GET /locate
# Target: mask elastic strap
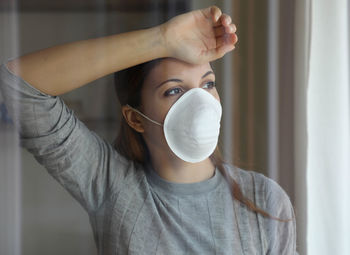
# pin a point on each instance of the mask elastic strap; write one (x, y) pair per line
(153, 121)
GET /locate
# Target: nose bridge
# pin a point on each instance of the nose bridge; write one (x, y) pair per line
(192, 81)
(192, 84)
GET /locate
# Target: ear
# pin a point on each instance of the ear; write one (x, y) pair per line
(133, 119)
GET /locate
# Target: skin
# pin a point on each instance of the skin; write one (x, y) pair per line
(156, 100)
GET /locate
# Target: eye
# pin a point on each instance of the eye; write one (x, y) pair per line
(172, 92)
(209, 85)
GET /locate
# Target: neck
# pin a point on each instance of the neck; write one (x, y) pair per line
(173, 169)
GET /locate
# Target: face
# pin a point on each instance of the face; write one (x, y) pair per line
(165, 84)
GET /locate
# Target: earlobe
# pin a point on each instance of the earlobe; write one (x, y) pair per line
(133, 119)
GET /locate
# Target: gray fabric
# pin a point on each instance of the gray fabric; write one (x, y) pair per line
(131, 209)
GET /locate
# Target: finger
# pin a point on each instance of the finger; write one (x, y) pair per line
(212, 12)
(225, 19)
(230, 29)
(226, 39)
(219, 31)
(216, 13)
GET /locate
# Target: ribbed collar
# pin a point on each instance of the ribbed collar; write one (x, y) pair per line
(182, 189)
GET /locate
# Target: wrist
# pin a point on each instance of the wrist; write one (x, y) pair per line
(161, 41)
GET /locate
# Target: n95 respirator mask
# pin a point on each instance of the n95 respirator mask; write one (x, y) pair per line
(192, 125)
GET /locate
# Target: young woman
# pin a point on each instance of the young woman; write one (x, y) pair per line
(163, 188)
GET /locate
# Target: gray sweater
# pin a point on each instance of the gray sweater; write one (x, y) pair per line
(131, 209)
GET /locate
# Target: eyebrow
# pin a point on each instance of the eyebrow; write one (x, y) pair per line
(178, 80)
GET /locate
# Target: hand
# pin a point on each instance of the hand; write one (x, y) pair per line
(199, 36)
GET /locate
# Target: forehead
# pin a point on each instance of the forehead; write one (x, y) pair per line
(173, 68)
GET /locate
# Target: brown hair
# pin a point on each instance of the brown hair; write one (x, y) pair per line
(130, 144)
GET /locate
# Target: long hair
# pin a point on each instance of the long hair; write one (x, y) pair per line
(130, 144)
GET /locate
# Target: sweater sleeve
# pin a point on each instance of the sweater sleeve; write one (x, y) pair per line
(75, 156)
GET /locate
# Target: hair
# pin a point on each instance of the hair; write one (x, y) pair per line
(130, 143)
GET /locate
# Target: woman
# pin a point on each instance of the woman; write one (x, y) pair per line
(164, 188)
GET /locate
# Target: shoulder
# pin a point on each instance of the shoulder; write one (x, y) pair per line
(269, 196)
(262, 190)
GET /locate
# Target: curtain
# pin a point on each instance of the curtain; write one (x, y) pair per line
(263, 89)
(302, 32)
(328, 117)
(250, 86)
(10, 153)
(291, 110)
(270, 66)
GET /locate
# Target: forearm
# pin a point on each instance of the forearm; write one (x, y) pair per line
(63, 68)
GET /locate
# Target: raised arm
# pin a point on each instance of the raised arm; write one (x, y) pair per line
(63, 68)
(82, 162)
(197, 36)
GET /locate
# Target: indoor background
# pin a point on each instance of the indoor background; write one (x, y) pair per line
(285, 95)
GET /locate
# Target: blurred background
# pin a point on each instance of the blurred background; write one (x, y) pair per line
(286, 114)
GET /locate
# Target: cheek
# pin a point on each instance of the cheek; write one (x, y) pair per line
(155, 105)
(156, 109)
(216, 95)
(150, 105)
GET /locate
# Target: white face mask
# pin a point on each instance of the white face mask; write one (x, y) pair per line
(192, 125)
